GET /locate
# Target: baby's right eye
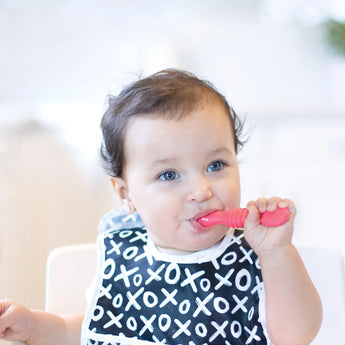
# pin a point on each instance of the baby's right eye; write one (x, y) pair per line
(168, 175)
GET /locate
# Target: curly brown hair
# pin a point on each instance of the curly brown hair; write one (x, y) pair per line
(169, 93)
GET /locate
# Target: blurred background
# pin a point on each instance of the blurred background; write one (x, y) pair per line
(280, 63)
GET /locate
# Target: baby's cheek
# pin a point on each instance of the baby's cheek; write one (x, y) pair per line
(231, 198)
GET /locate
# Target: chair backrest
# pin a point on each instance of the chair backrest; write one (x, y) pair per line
(71, 269)
(326, 269)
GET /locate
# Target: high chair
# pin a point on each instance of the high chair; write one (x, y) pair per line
(70, 270)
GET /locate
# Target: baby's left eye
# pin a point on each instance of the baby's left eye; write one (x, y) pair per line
(216, 166)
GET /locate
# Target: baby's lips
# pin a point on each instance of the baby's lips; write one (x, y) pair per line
(206, 221)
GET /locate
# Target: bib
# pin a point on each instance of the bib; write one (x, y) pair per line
(143, 296)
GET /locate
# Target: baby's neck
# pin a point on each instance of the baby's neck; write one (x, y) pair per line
(175, 251)
(172, 251)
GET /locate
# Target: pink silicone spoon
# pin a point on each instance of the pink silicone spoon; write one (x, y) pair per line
(235, 217)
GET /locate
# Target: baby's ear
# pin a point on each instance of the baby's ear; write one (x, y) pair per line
(121, 190)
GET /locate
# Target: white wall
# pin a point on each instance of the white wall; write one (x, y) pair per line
(301, 159)
(48, 198)
(59, 59)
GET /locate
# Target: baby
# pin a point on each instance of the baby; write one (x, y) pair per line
(170, 146)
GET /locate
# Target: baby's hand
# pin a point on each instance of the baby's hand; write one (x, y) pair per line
(267, 239)
(16, 321)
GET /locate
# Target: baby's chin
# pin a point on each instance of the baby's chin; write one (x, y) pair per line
(190, 248)
(175, 251)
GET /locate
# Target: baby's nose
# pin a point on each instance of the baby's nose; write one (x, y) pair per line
(200, 190)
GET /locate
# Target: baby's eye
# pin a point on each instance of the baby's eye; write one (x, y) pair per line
(216, 166)
(168, 176)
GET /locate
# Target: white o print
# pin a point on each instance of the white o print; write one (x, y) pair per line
(175, 270)
(201, 330)
(125, 233)
(130, 253)
(236, 329)
(205, 284)
(118, 300)
(98, 313)
(221, 305)
(229, 258)
(137, 279)
(111, 264)
(150, 295)
(243, 275)
(184, 307)
(110, 235)
(164, 322)
(132, 323)
(251, 313)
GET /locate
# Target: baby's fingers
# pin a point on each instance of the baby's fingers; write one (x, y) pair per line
(291, 206)
(5, 324)
(15, 321)
(268, 209)
(269, 205)
(261, 204)
(273, 203)
(287, 203)
(264, 204)
(253, 217)
(5, 305)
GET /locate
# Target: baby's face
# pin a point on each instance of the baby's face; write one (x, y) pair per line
(180, 170)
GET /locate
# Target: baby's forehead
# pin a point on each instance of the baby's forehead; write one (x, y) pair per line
(192, 142)
(197, 124)
(184, 111)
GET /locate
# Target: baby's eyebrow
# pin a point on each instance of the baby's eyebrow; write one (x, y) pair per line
(223, 150)
(167, 161)
(163, 161)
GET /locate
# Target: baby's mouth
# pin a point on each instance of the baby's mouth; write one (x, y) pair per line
(195, 220)
(202, 214)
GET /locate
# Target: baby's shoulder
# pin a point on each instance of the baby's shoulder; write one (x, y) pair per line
(119, 219)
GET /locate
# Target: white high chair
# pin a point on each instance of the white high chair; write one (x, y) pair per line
(70, 270)
(69, 273)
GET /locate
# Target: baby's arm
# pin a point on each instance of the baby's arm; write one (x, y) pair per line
(293, 306)
(34, 327)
